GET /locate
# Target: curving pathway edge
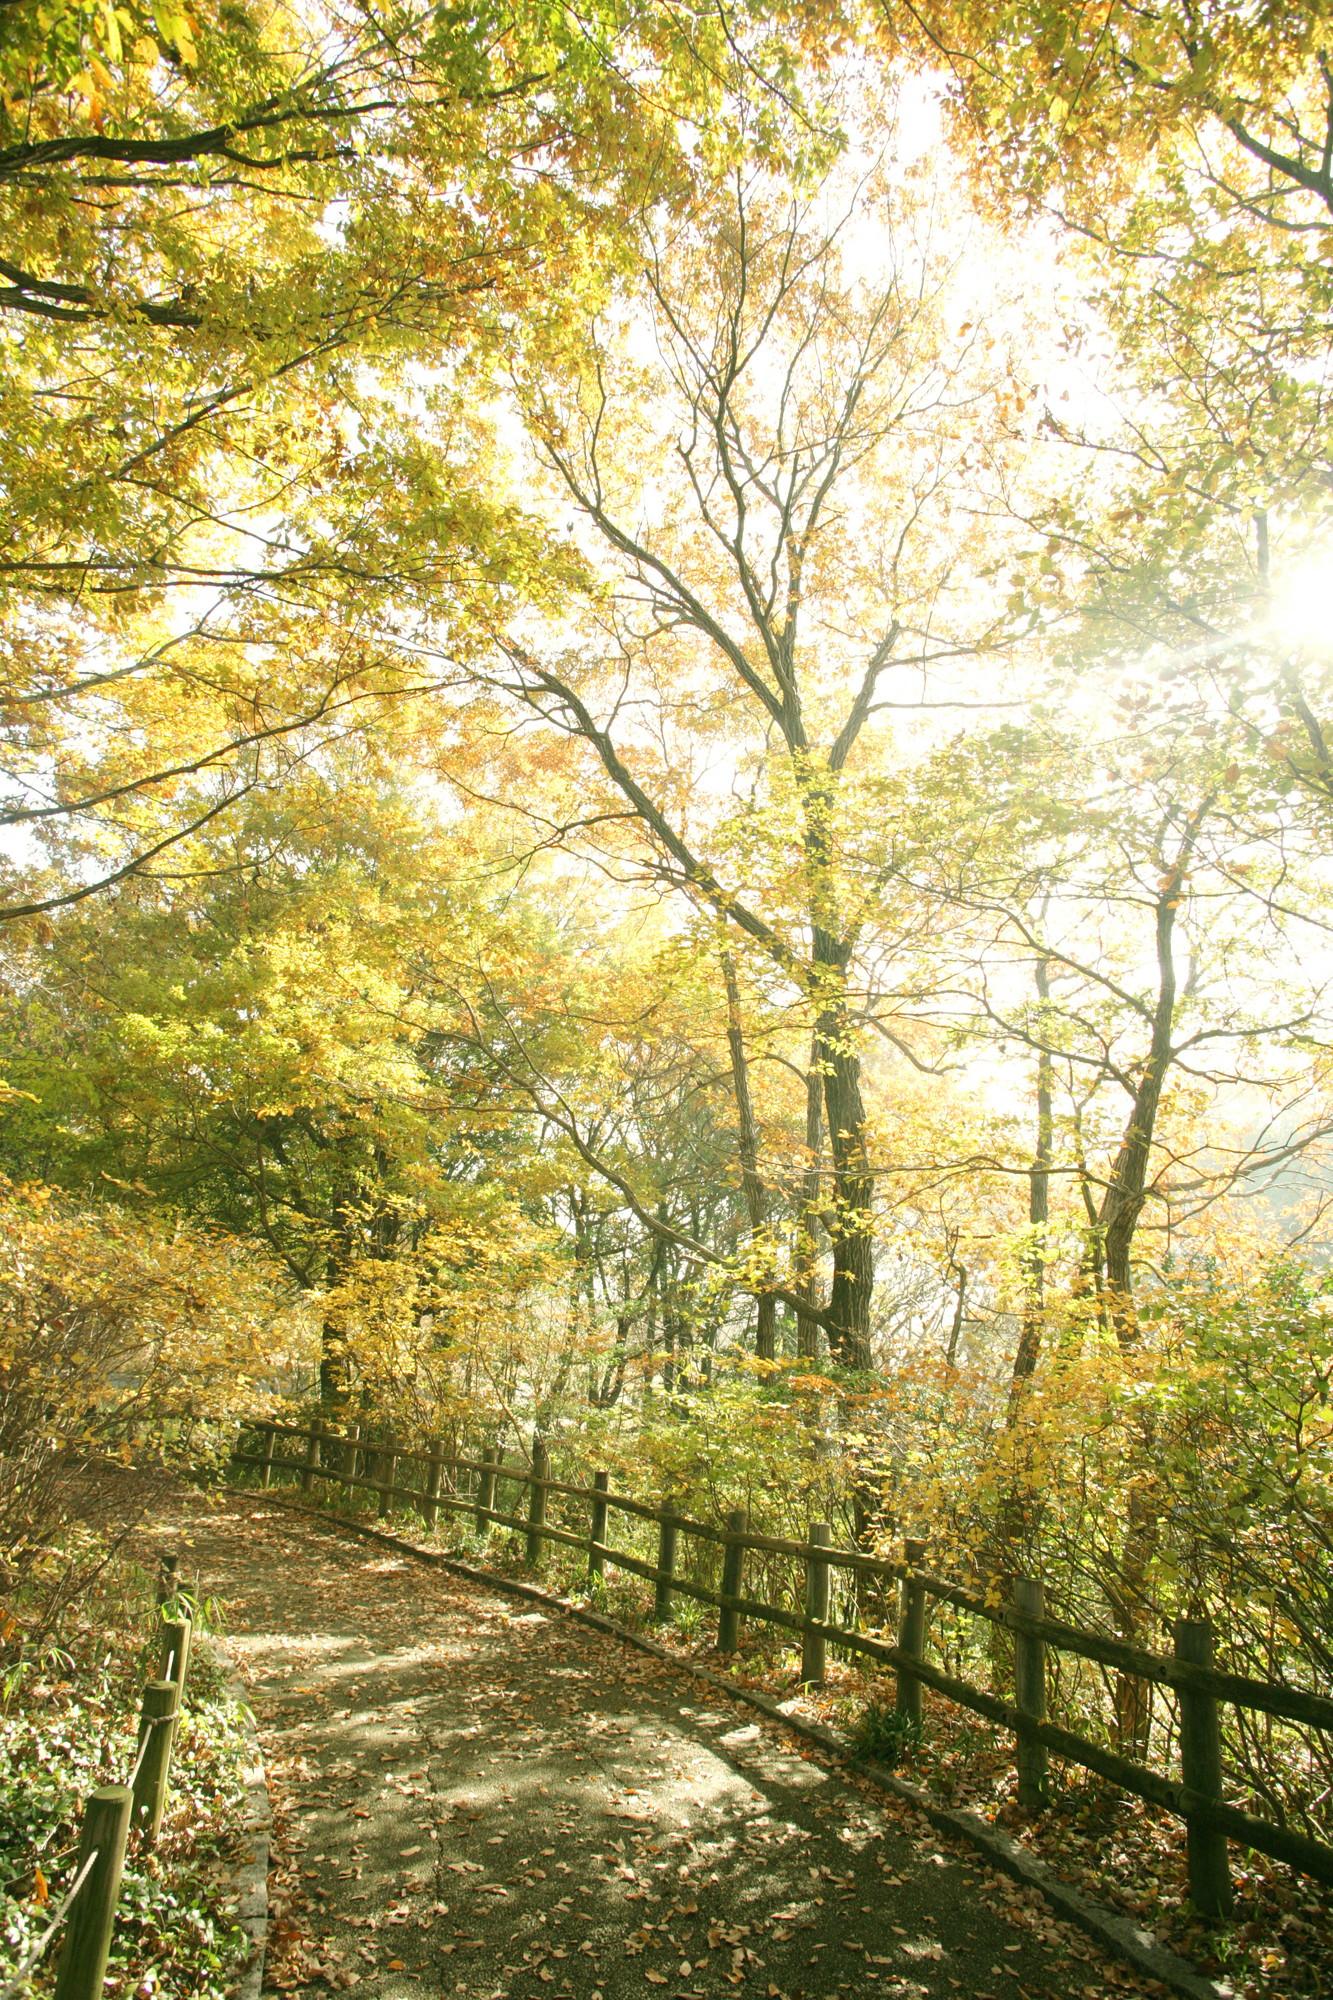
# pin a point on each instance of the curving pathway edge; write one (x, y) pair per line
(1116, 1934)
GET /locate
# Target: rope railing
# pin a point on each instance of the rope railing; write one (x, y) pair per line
(147, 1725)
(87, 1910)
(34, 1957)
(1200, 1686)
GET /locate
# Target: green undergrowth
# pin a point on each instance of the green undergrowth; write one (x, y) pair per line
(68, 1724)
(877, 1731)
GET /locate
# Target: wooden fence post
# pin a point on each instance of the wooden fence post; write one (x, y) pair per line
(666, 1566)
(733, 1574)
(541, 1472)
(353, 1456)
(266, 1476)
(434, 1473)
(176, 1652)
(1201, 1769)
(814, 1662)
(83, 1956)
(386, 1467)
(911, 1636)
(167, 1581)
(1030, 1692)
(157, 1733)
(486, 1485)
(312, 1455)
(601, 1482)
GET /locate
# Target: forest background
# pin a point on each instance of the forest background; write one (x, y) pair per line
(666, 685)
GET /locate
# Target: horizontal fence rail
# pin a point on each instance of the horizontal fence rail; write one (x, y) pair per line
(1200, 1686)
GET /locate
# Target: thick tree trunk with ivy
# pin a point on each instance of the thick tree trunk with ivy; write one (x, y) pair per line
(752, 1186)
(852, 1193)
(850, 1209)
(805, 1248)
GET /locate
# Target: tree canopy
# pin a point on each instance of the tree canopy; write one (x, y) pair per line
(666, 673)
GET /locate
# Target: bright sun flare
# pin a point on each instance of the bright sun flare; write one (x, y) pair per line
(1302, 612)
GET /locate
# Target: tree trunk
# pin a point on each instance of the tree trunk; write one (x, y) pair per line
(335, 1371)
(853, 1184)
(1034, 1257)
(606, 1393)
(805, 1251)
(1014, 1513)
(959, 1314)
(650, 1324)
(1122, 1202)
(853, 1191)
(1132, 1698)
(1122, 1205)
(765, 1339)
(335, 1360)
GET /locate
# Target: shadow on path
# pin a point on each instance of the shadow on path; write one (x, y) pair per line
(477, 1798)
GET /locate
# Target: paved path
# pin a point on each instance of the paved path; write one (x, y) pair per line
(477, 1798)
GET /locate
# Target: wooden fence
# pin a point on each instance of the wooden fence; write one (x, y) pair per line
(374, 1466)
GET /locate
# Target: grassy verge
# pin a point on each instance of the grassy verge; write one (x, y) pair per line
(68, 1723)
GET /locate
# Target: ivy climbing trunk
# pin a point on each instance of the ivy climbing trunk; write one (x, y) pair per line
(805, 1249)
(853, 1186)
(752, 1186)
